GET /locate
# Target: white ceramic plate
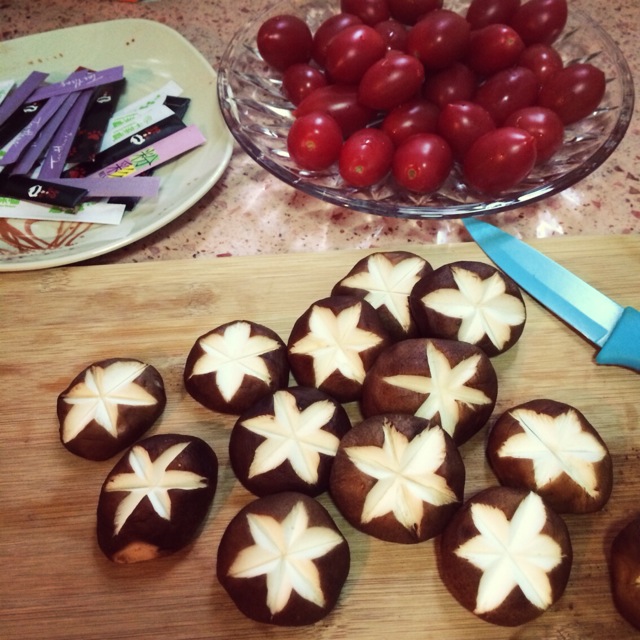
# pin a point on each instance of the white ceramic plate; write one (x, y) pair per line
(152, 54)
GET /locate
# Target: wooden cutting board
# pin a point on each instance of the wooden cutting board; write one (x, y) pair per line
(55, 583)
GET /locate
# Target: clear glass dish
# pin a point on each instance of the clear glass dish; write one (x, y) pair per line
(259, 117)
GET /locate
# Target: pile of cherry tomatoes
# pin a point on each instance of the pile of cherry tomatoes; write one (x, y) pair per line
(410, 87)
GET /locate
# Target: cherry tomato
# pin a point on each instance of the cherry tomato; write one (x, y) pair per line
(542, 59)
(462, 123)
(365, 157)
(493, 48)
(573, 92)
(454, 83)
(299, 80)
(499, 160)
(394, 34)
(480, 13)
(544, 125)
(369, 11)
(506, 91)
(540, 20)
(422, 163)
(410, 11)
(284, 40)
(341, 102)
(314, 141)
(439, 39)
(414, 116)
(327, 30)
(352, 51)
(390, 81)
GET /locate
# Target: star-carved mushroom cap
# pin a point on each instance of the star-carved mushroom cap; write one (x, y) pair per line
(155, 498)
(398, 478)
(108, 406)
(470, 301)
(234, 365)
(450, 382)
(550, 447)
(287, 441)
(385, 279)
(333, 344)
(506, 556)
(283, 560)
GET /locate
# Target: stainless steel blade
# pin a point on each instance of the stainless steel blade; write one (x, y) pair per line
(588, 310)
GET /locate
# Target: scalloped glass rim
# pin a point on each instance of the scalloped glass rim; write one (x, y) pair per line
(259, 116)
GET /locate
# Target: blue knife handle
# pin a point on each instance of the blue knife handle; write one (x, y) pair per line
(623, 346)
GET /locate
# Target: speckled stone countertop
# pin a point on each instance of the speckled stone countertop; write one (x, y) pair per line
(251, 212)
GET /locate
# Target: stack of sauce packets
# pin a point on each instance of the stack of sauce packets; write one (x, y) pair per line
(62, 143)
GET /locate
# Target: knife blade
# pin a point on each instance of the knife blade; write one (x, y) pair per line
(614, 329)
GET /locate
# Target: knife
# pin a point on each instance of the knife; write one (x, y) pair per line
(612, 328)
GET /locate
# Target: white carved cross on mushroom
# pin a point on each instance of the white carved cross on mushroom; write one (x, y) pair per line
(152, 480)
(512, 553)
(284, 551)
(550, 447)
(556, 445)
(405, 473)
(388, 284)
(234, 354)
(446, 387)
(99, 395)
(294, 435)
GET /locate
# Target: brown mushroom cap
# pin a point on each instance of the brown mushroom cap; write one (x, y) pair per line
(398, 478)
(287, 442)
(385, 280)
(334, 343)
(155, 499)
(259, 579)
(415, 376)
(505, 556)
(234, 365)
(108, 406)
(625, 572)
(551, 448)
(470, 301)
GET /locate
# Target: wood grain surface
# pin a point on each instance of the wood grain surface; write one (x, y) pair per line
(54, 581)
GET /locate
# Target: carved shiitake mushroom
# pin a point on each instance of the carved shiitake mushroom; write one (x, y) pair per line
(108, 406)
(385, 280)
(398, 478)
(625, 572)
(155, 499)
(234, 365)
(333, 344)
(551, 448)
(287, 442)
(505, 556)
(451, 383)
(283, 560)
(470, 301)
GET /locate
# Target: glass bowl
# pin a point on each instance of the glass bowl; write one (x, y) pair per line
(259, 117)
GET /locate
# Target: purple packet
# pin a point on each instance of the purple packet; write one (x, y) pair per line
(77, 81)
(35, 150)
(40, 191)
(56, 156)
(124, 148)
(138, 187)
(86, 143)
(20, 95)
